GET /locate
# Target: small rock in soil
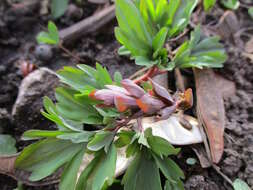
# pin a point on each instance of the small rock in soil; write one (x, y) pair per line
(199, 182)
(26, 110)
(4, 118)
(44, 52)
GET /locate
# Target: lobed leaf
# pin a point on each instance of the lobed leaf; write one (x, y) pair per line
(7, 145)
(142, 173)
(102, 139)
(100, 171)
(46, 156)
(69, 175)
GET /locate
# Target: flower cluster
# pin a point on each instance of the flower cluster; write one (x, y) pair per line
(131, 96)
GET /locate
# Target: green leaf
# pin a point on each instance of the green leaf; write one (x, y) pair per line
(159, 145)
(69, 108)
(117, 78)
(159, 39)
(77, 137)
(250, 11)
(37, 134)
(174, 185)
(7, 145)
(132, 148)
(208, 4)
(46, 156)
(103, 75)
(238, 184)
(169, 168)
(51, 37)
(102, 139)
(182, 16)
(132, 32)
(191, 161)
(100, 171)
(76, 78)
(124, 138)
(123, 51)
(200, 52)
(142, 173)
(69, 175)
(230, 4)
(144, 61)
(58, 7)
(54, 116)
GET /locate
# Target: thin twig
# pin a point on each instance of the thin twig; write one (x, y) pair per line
(139, 72)
(88, 25)
(68, 52)
(217, 169)
(179, 80)
(179, 36)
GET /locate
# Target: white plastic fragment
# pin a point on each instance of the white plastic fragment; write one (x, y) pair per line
(173, 131)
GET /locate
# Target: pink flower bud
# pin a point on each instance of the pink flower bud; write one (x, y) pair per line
(105, 95)
(166, 112)
(161, 91)
(123, 102)
(149, 104)
(118, 89)
(132, 88)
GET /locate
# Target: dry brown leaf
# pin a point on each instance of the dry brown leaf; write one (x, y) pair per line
(249, 46)
(210, 110)
(7, 167)
(227, 87)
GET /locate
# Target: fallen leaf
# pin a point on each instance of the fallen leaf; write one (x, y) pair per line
(210, 110)
(227, 87)
(249, 46)
(201, 154)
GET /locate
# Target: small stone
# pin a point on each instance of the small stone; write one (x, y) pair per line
(4, 118)
(26, 110)
(44, 52)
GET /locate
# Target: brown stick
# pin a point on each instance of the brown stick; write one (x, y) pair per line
(88, 25)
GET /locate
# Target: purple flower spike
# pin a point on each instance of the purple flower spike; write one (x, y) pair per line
(132, 88)
(161, 91)
(118, 89)
(123, 102)
(149, 104)
(166, 112)
(105, 95)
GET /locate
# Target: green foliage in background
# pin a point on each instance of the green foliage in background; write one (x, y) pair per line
(145, 26)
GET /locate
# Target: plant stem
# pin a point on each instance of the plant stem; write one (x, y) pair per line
(78, 59)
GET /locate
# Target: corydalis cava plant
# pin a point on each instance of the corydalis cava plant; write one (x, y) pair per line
(91, 107)
(90, 97)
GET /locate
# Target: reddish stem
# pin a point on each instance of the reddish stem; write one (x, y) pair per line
(153, 71)
(147, 75)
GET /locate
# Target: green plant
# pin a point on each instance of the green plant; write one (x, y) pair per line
(250, 11)
(51, 37)
(96, 115)
(7, 145)
(208, 4)
(58, 7)
(231, 4)
(238, 184)
(146, 26)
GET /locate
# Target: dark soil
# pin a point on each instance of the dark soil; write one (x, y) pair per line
(18, 30)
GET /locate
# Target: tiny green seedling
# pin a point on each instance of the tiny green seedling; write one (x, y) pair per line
(58, 7)
(250, 11)
(208, 4)
(51, 37)
(231, 4)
